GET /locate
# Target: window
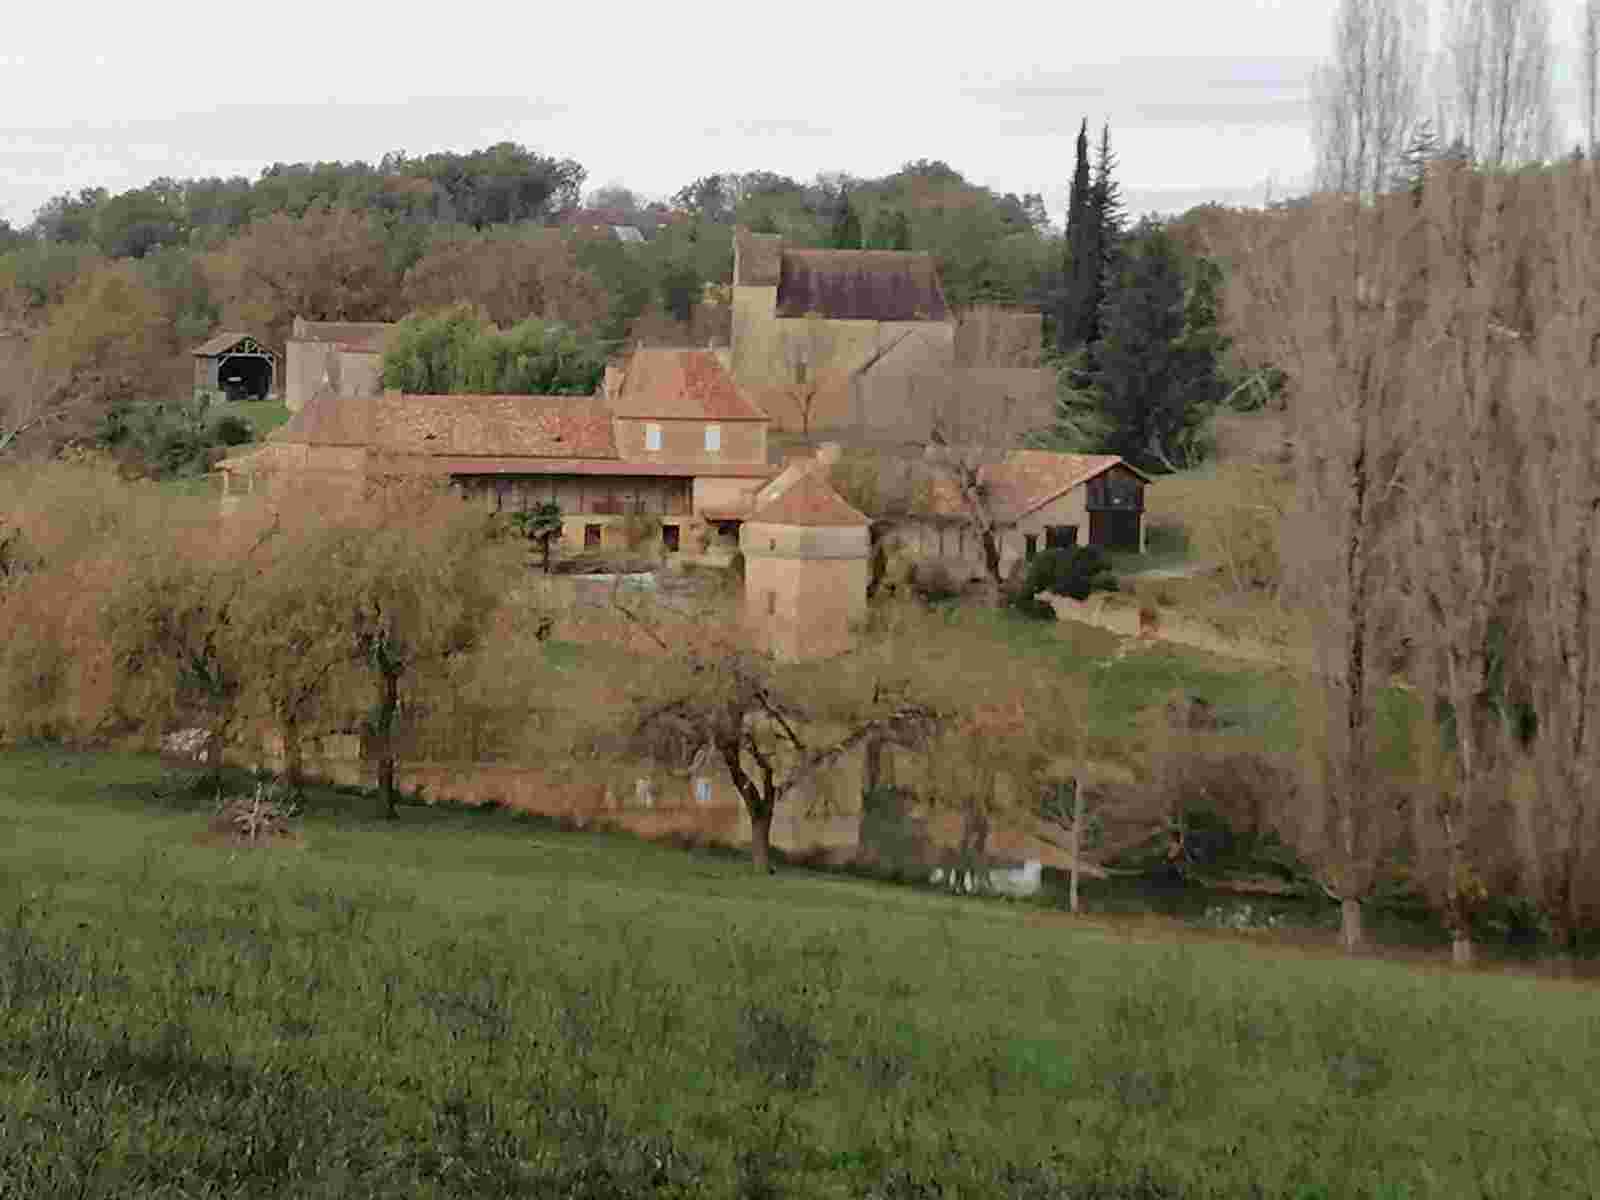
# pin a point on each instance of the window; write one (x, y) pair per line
(591, 536)
(1031, 546)
(702, 791)
(713, 439)
(652, 437)
(1060, 537)
(669, 537)
(772, 603)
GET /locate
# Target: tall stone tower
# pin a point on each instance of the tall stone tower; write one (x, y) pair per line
(805, 571)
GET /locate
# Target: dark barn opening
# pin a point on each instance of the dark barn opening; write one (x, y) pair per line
(245, 376)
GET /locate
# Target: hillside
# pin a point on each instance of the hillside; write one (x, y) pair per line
(469, 1005)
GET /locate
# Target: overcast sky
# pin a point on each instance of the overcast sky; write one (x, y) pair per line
(1205, 101)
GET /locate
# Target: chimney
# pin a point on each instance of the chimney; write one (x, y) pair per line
(613, 383)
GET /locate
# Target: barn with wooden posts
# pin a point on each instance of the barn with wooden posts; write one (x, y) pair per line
(237, 365)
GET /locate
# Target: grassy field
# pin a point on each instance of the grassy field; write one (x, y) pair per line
(470, 1005)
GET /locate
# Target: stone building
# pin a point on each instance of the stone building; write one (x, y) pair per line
(669, 445)
(862, 343)
(342, 358)
(1039, 499)
(805, 570)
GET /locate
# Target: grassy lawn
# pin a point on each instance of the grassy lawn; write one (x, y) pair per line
(469, 1005)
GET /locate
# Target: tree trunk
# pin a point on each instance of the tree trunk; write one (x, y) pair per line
(1351, 935)
(293, 756)
(1077, 839)
(388, 715)
(761, 840)
(1461, 948)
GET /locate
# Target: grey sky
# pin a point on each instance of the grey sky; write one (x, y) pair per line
(1204, 101)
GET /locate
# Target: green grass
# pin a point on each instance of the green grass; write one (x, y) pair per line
(1256, 701)
(470, 1005)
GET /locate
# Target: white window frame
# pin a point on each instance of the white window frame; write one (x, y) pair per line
(713, 439)
(652, 437)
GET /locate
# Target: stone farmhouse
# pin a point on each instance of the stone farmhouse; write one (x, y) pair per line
(861, 344)
(1039, 500)
(669, 437)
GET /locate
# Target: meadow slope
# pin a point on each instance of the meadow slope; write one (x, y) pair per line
(471, 1005)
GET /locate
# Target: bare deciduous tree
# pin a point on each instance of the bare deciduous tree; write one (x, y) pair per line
(773, 728)
(1339, 300)
(1559, 816)
(1589, 73)
(1460, 512)
(1495, 81)
(1366, 99)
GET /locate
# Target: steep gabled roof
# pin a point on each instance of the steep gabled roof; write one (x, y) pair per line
(568, 427)
(1030, 479)
(1024, 481)
(810, 500)
(681, 385)
(220, 343)
(860, 285)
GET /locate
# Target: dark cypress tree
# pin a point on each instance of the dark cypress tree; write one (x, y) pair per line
(1105, 200)
(846, 234)
(1076, 291)
(1155, 366)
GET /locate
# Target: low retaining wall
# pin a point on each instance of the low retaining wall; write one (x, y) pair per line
(1168, 625)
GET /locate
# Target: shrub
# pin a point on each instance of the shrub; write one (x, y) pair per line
(232, 431)
(1073, 571)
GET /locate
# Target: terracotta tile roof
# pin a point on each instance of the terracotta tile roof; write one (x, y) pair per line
(681, 385)
(568, 427)
(329, 420)
(219, 343)
(860, 285)
(501, 465)
(1024, 481)
(810, 500)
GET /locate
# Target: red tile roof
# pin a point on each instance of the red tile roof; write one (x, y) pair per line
(810, 500)
(681, 385)
(567, 427)
(860, 285)
(1024, 481)
(329, 420)
(500, 465)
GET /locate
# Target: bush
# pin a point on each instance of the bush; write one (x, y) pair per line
(232, 431)
(1073, 571)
